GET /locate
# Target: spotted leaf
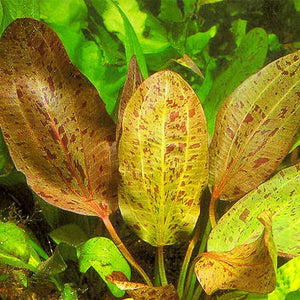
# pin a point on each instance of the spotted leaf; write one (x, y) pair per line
(54, 122)
(281, 197)
(163, 159)
(255, 128)
(134, 79)
(249, 267)
(139, 291)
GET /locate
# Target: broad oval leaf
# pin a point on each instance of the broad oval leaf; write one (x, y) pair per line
(163, 159)
(281, 197)
(139, 291)
(54, 121)
(249, 267)
(255, 128)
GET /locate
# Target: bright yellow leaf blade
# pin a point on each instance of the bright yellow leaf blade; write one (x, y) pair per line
(163, 159)
(250, 267)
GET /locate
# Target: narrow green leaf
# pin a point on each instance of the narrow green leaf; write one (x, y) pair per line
(131, 43)
(249, 58)
(102, 254)
(281, 197)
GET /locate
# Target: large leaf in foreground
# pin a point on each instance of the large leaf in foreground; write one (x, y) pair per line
(139, 291)
(249, 267)
(255, 128)
(281, 197)
(54, 121)
(163, 159)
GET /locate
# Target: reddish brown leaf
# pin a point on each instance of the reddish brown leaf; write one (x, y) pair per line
(255, 128)
(134, 79)
(54, 122)
(187, 62)
(139, 291)
(250, 267)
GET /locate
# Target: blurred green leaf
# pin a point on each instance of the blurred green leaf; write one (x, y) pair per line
(69, 293)
(132, 45)
(238, 29)
(102, 254)
(274, 43)
(169, 11)
(13, 9)
(55, 264)
(70, 234)
(15, 248)
(249, 58)
(196, 43)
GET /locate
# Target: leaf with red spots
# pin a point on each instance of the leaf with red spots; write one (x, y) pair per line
(59, 133)
(249, 267)
(139, 291)
(281, 197)
(134, 79)
(187, 62)
(255, 128)
(163, 159)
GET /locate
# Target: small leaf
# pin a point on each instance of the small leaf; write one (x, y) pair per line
(248, 59)
(55, 264)
(15, 247)
(255, 128)
(133, 81)
(55, 123)
(250, 267)
(102, 254)
(139, 291)
(163, 159)
(187, 62)
(281, 197)
(70, 234)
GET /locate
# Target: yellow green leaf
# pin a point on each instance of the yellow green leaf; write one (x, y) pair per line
(139, 291)
(54, 122)
(249, 267)
(163, 159)
(187, 62)
(255, 128)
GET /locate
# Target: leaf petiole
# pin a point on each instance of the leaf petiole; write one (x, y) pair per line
(161, 265)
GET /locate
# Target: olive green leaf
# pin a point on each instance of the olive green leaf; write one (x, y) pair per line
(163, 159)
(248, 267)
(248, 59)
(255, 128)
(139, 291)
(56, 125)
(281, 197)
(102, 254)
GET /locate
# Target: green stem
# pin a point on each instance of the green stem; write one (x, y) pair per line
(191, 278)
(187, 259)
(156, 272)
(197, 293)
(161, 265)
(123, 249)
